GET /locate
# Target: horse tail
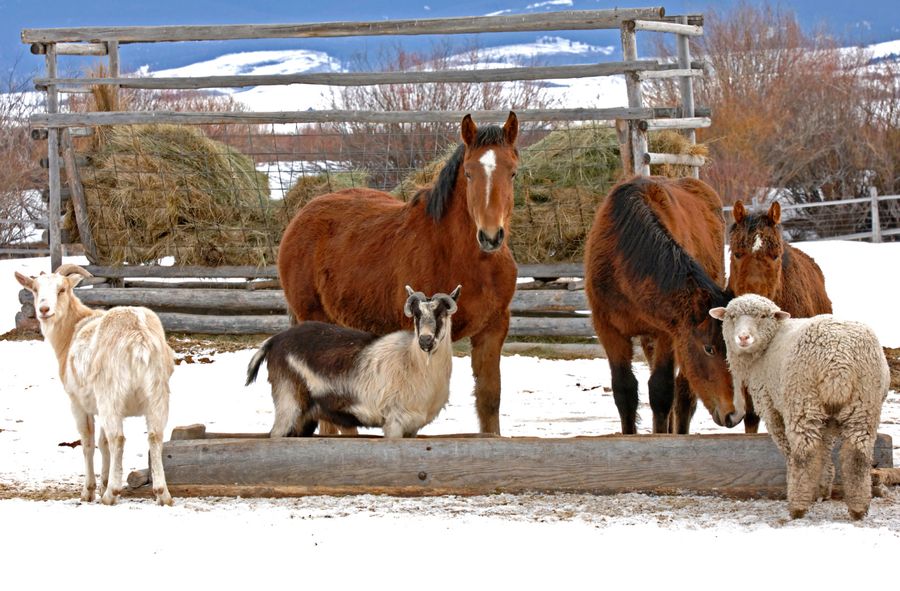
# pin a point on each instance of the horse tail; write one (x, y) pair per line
(258, 357)
(646, 245)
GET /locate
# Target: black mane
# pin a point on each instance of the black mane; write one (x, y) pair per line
(438, 196)
(649, 251)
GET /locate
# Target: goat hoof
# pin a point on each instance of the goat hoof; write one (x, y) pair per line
(856, 515)
(87, 495)
(164, 498)
(109, 499)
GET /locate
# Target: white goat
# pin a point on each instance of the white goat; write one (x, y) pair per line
(112, 364)
(399, 381)
(813, 380)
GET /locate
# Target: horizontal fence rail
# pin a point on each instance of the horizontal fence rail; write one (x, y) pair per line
(550, 21)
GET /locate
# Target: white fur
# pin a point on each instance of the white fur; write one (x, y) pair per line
(757, 243)
(112, 364)
(813, 380)
(489, 162)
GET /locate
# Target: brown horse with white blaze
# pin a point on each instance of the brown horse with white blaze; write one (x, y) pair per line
(346, 257)
(654, 265)
(764, 264)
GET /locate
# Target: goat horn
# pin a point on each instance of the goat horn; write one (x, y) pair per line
(70, 268)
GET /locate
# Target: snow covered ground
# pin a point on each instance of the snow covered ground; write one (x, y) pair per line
(514, 541)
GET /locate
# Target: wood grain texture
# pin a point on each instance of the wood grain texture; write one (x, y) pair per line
(604, 464)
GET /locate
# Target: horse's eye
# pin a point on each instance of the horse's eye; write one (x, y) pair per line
(709, 350)
(514, 174)
(775, 257)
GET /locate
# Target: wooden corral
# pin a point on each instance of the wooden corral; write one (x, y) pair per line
(198, 463)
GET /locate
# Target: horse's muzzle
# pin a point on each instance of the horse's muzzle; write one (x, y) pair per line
(489, 244)
(731, 420)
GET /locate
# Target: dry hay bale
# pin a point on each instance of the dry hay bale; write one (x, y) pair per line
(562, 179)
(669, 141)
(309, 186)
(425, 177)
(167, 190)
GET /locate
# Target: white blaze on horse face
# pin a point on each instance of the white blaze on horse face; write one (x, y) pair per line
(757, 243)
(489, 161)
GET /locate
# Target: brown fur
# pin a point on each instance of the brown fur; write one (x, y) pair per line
(777, 271)
(654, 265)
(346, 257)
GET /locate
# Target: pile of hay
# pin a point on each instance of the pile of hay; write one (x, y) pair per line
(672, 142)
(165, 190)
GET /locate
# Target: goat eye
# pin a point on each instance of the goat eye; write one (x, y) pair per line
(61, 289)
(709, 350)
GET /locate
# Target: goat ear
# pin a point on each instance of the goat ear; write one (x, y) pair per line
(468, 130)
(455, 293)
(718, 313)
(74, 279)
(782, 315)
(738, 212)
(407, 308)
(25, 281)
(511, 129)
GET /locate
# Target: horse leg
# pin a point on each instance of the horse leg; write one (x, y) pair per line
(683, 407)
(751, 419)
(619, 352)
(486, 347)
(661, 384)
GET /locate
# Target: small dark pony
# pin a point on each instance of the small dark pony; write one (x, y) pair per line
(346, 257)
(764, 264)
(654, 266)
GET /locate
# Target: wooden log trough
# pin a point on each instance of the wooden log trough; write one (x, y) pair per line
(198, 463)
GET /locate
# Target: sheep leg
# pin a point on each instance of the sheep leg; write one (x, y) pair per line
(155, 426)
(805, 463)
(112, 426)
(826, 481)
(85, 424)
(104, 454)
(662, 381)
(486, 347)
(856, 462)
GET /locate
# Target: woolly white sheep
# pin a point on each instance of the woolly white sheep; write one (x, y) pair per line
(399, 381)
(112, 364)
(813, 380)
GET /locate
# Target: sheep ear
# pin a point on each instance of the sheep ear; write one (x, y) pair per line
(782, 315)
(738, 212)
(718, 313)
(25, 281)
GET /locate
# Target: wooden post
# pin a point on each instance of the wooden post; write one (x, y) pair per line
(623, 134)
(686, 86)
(633, 86)
(73, 178)
(876, 219)
(112, 50)
(54, 210)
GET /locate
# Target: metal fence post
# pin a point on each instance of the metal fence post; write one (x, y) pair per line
(876, 221)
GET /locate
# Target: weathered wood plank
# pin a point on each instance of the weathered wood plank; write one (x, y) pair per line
(545, 21)
(551, 270)
(664, 27)
(681, 123)
(79, 204)
(523, 326)
(160, 298)
(362, 78)
(605, 464)
(332, 116)
(684, 159)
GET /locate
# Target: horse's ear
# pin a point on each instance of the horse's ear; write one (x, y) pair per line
(774, 213)
(468, 130)
(739, 212)
(511, 129)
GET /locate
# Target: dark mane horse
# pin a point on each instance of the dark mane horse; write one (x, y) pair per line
(654, 265)
(346, 257)
(763, 263)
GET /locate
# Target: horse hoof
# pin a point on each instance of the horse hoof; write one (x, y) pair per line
(798, 513)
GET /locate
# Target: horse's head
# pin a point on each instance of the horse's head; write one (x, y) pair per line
(757, 251)
(701, 357)
(489, 165)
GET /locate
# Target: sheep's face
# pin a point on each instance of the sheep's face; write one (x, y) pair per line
(431, 316)
(51, 293)
(749, 323)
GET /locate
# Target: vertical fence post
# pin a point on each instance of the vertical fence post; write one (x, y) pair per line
(633, 86)
(686, 86)
(54, 213)
(112, 52)
(876, 219)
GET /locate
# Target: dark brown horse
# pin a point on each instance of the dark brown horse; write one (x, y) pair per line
(654, 265)
(346, 257)
(763, 263)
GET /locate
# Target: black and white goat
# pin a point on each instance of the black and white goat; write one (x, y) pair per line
(399, 381)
